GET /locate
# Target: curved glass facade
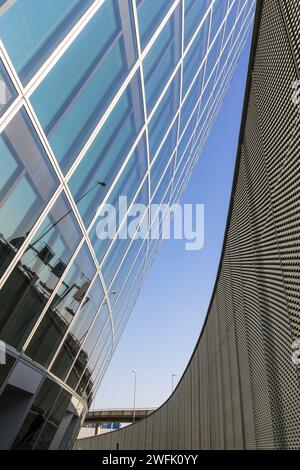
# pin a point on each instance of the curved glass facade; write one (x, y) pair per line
(98, 99)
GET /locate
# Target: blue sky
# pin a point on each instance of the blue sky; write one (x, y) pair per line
(165, 324)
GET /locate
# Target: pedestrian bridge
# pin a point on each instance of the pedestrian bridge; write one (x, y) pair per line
(119, 415)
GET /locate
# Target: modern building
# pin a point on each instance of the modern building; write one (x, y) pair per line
(98, 98)
(241, 388)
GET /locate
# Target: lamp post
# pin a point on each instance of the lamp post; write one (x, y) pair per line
(173, 375)
(134, 394)
(99, 183)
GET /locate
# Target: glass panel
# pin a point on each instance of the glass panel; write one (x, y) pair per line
(182, 160)
(78, 331)
(203, 118)
(161, 195)
(31, 29)
(97, 362)
(37, 416)
(27, 182)
(63, 308)
(28, 288)
(242, 12)
(190, 103)
(71, 99)
(218, 14)
(195, 56)
(185, 138)
(194, 12)
(231, 18)
(162, 159)
(118, 286)
(7, 90)
(224, 57)
(160, 61)
(213, 55)
(127, 186)
(101, 246)
(108, 152)
(163, 115)
(150, 15)
(115, 257)
(53, 421)
(207, 92)
(91, 344)
(126, 311)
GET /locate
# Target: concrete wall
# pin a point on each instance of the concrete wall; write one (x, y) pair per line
(241, 388)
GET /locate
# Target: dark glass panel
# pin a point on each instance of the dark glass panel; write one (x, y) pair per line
(53, 421)
(63, 308)
(78, 331)
(37, 416)
(29, 286)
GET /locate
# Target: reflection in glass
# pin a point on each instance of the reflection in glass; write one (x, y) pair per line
(218, 14)
(191, 102)
(164, 114)
(159, 195)
(105, 157)
(163, 157)
(125, 310)
(118, 248)
(102, 350)
(7, 90)
(65, 305)
(115, 258)
(160, 61)
(213, 55)
(195, 56)
(71, 99)
(207, 94)
(79, 330)
(31, 29)
(119, 287)
(37, 416)
(126, 186)
(194, 11)
(186, 136)
(28, 288)
(58, 412)
(231, 17)
(150, 15)
(27, 181)
(181, 162)
(90, 346)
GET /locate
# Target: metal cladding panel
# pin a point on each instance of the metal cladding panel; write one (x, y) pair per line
(241, 388)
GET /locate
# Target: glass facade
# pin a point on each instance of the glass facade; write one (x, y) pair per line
(98, 99)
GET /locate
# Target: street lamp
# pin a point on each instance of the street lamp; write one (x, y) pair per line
(134, 394)
(173, 375)
(50, 227)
